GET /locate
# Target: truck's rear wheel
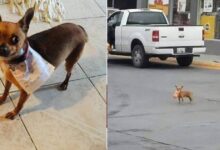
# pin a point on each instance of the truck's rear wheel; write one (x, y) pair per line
(139, 57)
(184, 61)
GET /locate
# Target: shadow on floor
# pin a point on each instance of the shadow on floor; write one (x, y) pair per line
(49, 97)
(127, 62)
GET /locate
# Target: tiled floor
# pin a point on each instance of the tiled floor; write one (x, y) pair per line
(73, 119)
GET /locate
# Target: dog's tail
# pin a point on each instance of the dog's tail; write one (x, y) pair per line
(86, 35)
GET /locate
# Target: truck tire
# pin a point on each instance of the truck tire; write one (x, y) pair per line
(139, 58)
(184, 61)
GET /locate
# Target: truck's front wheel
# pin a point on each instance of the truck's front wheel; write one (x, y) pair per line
(138, 56)
(184, 61)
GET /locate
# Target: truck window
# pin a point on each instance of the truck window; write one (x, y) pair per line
(146, 18)
(116, 18)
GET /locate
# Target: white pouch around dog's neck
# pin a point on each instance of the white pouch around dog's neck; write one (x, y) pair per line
(33, 72)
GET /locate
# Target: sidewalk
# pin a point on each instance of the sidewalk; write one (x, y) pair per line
(213, 47)
(204, 61)
(73, 119)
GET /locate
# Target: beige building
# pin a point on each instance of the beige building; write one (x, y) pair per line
(182, 12)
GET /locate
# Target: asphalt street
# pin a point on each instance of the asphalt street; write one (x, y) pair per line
(144, 116)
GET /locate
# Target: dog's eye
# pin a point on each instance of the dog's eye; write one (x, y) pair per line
(14, 39)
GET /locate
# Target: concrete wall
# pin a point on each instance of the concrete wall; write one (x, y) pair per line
(170, 14)
(194, 12)
(142, 3)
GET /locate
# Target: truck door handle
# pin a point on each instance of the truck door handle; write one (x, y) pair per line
(181, 36)
(147, 29)
(163, 36)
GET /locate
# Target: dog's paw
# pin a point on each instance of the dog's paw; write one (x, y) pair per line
(10, 115)
(62, 87)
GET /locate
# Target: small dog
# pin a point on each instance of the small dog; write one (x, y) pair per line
(51, 47)
(181, 94)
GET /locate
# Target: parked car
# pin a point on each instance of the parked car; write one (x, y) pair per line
(145, 33)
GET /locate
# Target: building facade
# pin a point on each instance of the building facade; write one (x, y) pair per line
(182, 12)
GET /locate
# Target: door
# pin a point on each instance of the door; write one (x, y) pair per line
(114, 30)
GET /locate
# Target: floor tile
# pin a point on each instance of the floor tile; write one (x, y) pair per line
(93, 62)
(12, 132)
(60, 73)
(100, 83)
(36, 27)
(51, 132)
(102, 4)
(4, 108)
(80, 104)
(1, 87)
(76, 9)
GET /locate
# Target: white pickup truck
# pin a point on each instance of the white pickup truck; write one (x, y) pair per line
(145, 33)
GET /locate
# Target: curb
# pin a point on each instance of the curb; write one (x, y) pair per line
(196, 63)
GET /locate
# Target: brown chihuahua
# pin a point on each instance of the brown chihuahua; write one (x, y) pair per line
(181, 94)
(53, 46)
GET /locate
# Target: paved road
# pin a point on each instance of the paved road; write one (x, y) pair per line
(144, 116)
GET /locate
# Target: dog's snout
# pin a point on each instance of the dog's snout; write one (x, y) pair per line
(4, 51)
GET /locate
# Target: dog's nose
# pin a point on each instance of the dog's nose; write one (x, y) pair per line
(4, 51)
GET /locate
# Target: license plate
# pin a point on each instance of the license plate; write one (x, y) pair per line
(181, 50)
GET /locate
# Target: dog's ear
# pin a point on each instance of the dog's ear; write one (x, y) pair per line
(176, 87)
(0, 18)
(26, 20)
(181, 87)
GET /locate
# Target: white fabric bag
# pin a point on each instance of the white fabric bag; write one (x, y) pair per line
(33, 72)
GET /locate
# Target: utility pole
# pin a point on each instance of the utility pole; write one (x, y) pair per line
(113, 3)
(142, 3)
(170, 13)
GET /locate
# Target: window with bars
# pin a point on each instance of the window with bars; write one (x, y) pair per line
(110, 3)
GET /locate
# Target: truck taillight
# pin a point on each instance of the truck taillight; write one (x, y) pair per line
(203, 35)
(155, 36)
